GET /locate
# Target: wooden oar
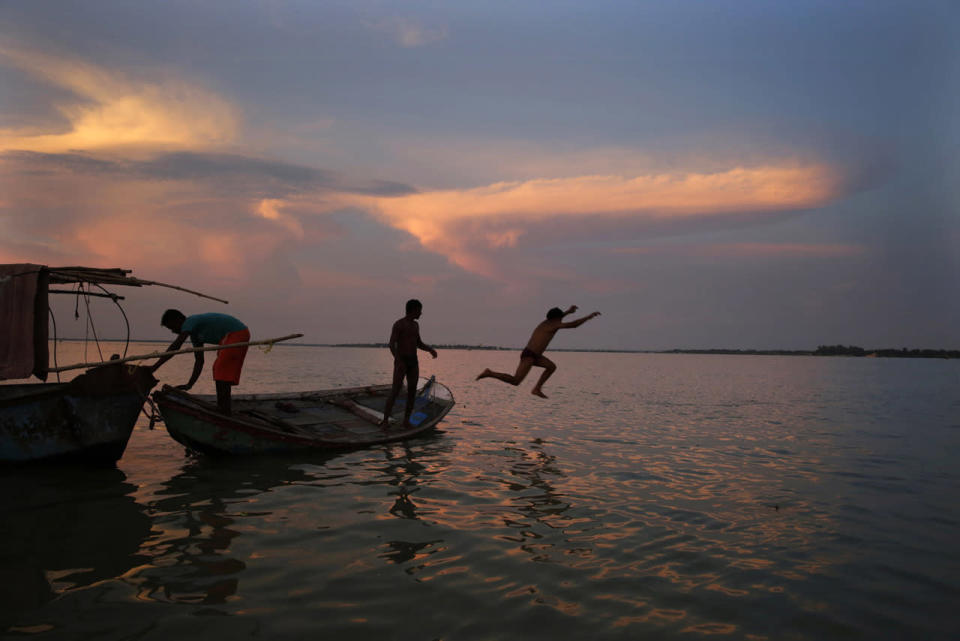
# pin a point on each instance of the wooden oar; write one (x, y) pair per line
(188, 350)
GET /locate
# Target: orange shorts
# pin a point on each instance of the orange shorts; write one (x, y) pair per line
(230, 361)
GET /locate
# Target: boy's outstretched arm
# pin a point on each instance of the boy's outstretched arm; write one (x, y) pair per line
(579, 321)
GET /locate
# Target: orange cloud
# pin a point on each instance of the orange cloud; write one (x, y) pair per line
(220, 252)
(112, 110)
(271, 209)
(469, 226)
(154, 225)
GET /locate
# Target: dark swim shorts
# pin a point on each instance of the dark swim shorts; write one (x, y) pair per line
(409, 361)
(529, 353)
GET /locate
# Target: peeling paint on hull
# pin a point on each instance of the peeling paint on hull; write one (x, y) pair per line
(87, 420)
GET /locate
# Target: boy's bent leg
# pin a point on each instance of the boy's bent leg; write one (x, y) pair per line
(514, 379)
(549, 367)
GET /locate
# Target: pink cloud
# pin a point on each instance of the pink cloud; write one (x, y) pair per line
(473, 227)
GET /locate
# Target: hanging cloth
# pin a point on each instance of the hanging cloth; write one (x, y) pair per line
(23, 321)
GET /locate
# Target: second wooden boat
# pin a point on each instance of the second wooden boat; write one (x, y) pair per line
(332, 419)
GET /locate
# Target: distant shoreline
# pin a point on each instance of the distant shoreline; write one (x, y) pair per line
(823, 350)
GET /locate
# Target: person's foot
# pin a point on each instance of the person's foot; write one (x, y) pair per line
(538, 392)
(484, 374)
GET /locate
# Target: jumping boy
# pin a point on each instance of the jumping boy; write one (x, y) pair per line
(404, 342)
(532, 354)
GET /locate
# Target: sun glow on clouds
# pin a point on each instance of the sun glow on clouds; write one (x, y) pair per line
(469, 226)
(221, 253)
(192, 201)
(270, 208)
(113, 110)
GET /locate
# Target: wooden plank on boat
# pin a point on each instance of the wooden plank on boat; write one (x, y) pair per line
(351, 406)
(263, 416)
(372, 390)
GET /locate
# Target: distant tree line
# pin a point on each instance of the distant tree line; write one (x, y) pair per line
(854, 350)
(822, 350)
(829, 350)
(839, 350)
(744, 352)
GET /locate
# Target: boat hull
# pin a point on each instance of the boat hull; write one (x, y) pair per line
(87, 420)
(318, 421)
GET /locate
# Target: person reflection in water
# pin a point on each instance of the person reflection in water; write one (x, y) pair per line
(532, 354)
(404, 342)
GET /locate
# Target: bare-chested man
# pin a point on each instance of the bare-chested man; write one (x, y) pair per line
(404, 341)
(532, 354)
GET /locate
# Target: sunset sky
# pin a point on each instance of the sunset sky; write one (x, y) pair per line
(738, 174)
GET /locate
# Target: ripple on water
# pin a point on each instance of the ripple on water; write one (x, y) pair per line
(651, 497)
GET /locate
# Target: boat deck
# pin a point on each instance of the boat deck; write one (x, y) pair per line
(347, 417)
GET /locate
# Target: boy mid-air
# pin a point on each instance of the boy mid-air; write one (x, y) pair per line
(532, 354)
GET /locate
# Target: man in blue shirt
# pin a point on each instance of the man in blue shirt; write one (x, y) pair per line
(215, 329)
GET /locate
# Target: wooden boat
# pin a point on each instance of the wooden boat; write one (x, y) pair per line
(334, 419)
(88, 419)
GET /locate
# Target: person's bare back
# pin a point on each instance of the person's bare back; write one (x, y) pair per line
(542, 335)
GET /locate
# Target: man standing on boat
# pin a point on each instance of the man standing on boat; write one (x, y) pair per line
(404, 342)
(214, 329)
(532, 354)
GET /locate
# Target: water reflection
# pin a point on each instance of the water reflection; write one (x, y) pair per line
(65, 528)
(200, 514)
(409, 465)
(649, 510)
(538, 503)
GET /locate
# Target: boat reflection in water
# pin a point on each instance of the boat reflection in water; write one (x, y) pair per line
(201, 514)
(62, 529)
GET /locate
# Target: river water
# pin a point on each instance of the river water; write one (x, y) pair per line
(651, 497)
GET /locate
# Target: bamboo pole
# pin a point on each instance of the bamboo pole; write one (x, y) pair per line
(116, 277)
(180, 289)
(187, 350)
(97, 294)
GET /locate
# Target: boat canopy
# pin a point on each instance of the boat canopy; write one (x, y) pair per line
(24, 308)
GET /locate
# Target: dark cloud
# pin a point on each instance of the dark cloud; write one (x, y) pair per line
(241, 174)
(32, 163)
